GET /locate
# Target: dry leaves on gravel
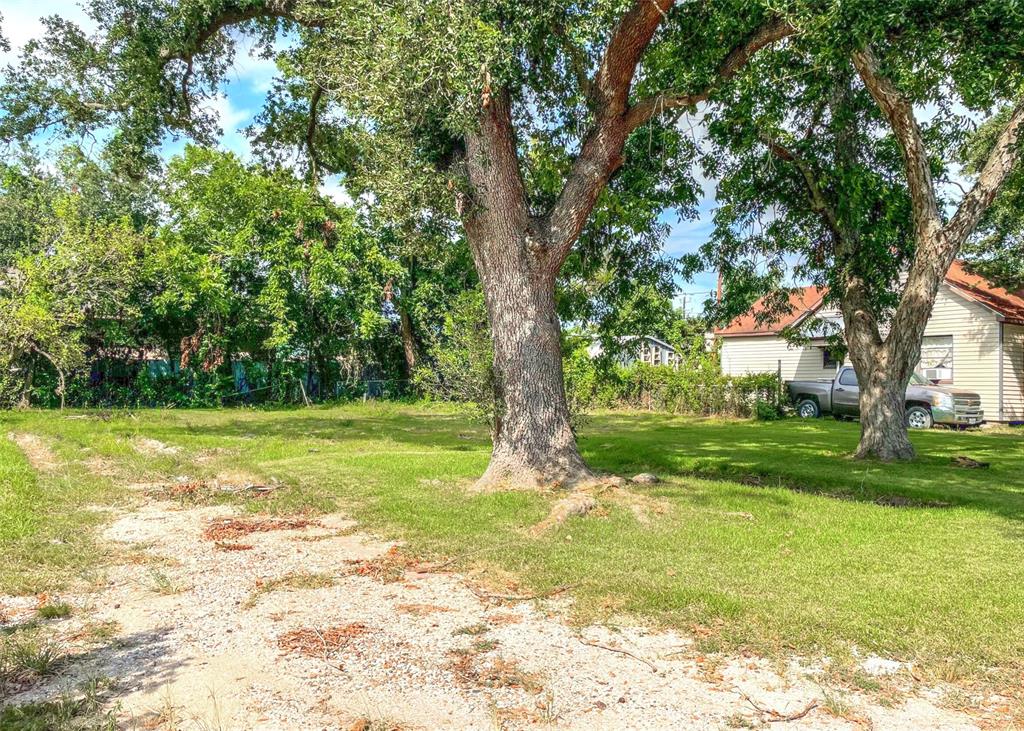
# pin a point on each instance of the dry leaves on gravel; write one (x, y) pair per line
(387, 568)
(228, 528)
(314, 642)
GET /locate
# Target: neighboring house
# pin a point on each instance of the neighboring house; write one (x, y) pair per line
(973, 340)
(643, 349)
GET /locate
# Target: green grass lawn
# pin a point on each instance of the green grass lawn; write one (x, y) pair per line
(767, 534)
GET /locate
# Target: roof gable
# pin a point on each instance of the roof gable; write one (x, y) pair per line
(802, 303)
(808, 300)
(1008, 305)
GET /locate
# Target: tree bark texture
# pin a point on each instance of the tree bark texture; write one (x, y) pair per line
(884, 366)
(534, 444)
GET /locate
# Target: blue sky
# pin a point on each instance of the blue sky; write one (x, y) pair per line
(248, 82)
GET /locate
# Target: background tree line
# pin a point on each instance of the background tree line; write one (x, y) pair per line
(212, 281)
(532, 149)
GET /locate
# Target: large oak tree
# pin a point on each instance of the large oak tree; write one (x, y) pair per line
(516, 114)
(833, 168)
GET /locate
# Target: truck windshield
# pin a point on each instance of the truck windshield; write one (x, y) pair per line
(916, 379)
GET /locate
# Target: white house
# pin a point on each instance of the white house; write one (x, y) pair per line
(642, 348)
(974, 340)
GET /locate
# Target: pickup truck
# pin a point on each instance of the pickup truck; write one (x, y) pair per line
(927, 404)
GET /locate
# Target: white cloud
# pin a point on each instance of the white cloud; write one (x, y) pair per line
(250, 68)
(231, 120)
(333, 189)
(22, 21)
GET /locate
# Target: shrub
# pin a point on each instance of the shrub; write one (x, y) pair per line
(697, 386)
(461, 367)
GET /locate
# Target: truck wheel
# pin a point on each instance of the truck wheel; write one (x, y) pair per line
(808, 409)
(918, 417)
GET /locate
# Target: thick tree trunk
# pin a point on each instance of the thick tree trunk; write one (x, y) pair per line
(884, 367)
(883, 426)
(534, 445)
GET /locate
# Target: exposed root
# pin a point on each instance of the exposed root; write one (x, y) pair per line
(645, 661)
(510, 473)
(773, 716)
(499, 598)
(575, 503)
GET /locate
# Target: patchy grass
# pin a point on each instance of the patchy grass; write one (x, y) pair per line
(56, 610)
(767, 535)
(84, 710)
(293, 582)
(26, 656)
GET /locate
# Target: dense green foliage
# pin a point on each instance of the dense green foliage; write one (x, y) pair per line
(813, 186)
(249, 283)
(695, 387)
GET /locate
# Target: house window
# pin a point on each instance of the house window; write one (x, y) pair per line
(828, 359)
(937, 359)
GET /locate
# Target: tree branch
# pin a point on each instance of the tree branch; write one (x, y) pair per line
(815, 195)
(1005, 155)
(737, 58)
(628, 43)
(601, 153)
(900, 114)
(233, 14)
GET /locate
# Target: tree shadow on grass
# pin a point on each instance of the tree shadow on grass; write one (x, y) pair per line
(798, 455)
(814, 458)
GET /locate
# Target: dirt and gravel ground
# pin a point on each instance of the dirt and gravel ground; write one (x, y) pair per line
(220, 623)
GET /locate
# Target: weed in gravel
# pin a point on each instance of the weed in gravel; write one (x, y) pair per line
(295, 581)
(472, 629)
(738, 720)
(161, 583)
(27, 656)
(82, 711)
(97, 632)
(376, 724)
(467, 666)
(57, 610)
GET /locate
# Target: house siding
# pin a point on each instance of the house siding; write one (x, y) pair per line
(975, 331)
(762, 353)
(973, 327)
(1013, 373)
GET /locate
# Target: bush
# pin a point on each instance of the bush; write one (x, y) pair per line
(695, 387)
(461, 367)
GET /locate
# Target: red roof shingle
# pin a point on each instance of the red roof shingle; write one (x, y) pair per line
(801, 302)
(1010, 305)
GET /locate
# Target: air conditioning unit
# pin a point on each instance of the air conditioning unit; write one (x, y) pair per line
(938, 374)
